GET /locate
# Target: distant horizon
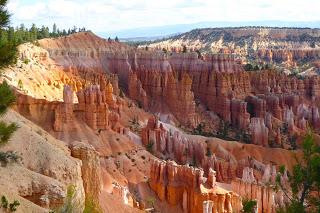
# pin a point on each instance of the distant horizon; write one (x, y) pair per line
(168, 30)
(123, 15)
(156, 32)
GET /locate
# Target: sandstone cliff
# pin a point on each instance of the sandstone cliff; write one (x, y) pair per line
(278, 45)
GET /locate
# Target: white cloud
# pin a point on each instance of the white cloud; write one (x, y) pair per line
(111, 15)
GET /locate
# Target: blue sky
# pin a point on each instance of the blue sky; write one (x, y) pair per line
(115, 15)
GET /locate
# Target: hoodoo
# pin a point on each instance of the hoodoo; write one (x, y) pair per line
(215, 120)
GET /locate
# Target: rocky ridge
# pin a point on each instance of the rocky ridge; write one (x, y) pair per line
(288, 46)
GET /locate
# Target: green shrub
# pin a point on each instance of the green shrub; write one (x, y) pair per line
(13, 206)
(303, 189)
(199, 130)
(70, 204)
(293, 141)
(20, 84)
(8, 54)
(92, 206)
(6, 131)
(7, 98)
(26, 61)
(224, 129)
(4, 202)
(8, 157)
(249, 206)
(151, 201)
(135, 125)
(149, 146)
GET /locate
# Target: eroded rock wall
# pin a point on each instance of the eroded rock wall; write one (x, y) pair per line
(186, 186)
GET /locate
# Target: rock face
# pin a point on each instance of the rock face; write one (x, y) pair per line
(64, 112)
(92, 107)
(90, 169)
(259, 132)
(278, 45)
(265, 196)
(45, 172)
(176, 79)
(268, 200)
(170, 83)
(174, 145)
(288, 56)
(148, 77)
(187, 187)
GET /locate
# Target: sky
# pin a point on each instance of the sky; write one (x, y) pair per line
(116, 15)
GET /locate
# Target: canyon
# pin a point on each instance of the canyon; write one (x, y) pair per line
(284, 47)
(138, 130)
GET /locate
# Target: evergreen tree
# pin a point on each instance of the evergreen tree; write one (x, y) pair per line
(54, 30)
(74, 30)
(11, 34)
(3, 36)
(4, 14)
(34, 32)
(8, 50)
(6, 99)
(7, 56)
(116, 39)
(22, 27)
(303, 192)
(64, 32)
(21, 34)
(47, 32)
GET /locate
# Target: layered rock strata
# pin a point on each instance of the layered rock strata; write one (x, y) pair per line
(92, 107)
(170, 83)
(186, 186)
(90, 169)
(174, 145)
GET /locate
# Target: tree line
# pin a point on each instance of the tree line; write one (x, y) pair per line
(11, 37)
(23, 34)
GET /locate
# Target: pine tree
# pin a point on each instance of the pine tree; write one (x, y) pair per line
(58, 33)
(7, 56)
(74, 30)
(3, 37)
(6, 99)
(47, 32)
(4, 14)
(8, 50)
(303, 189)
(34, 32)
(22, 27)
(11, 34)
(54, 30)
